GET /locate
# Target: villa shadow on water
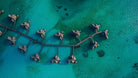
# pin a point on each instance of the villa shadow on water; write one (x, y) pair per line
(136, 38)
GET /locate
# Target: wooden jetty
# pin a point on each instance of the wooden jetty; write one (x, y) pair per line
(47, 44)
(34, 40)
(89, 37)
(23, 49)
(41, 33)
(28, 43)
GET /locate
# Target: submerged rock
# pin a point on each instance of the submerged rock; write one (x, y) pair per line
(118, 57)
(135, 65)
(85, 54)
(59, 7)
(33, 69)
(69, 8)
(100, 53)
(136, 39)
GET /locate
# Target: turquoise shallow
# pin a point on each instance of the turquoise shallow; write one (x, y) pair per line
(120, 51)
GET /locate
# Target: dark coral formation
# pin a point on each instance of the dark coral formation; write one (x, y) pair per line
(67, 8)
(100, 53)
(67, 14)
(136, 66)
(136, 39)
(118, 57)
(59, 7)
(85, 54)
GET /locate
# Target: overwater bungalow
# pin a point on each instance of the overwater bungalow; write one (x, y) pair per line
(59, 35)
(26, 25)
(105, 34)
(41, 33)
(94, 44)
(72, 59)
(56, 59)
(12, 40)
(35, 57)
(23, 49)
(76, 33)
(0, 33)
(95, 27)
(13, 17)
(1, 12)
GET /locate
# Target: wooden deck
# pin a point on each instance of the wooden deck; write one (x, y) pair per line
(41, 42)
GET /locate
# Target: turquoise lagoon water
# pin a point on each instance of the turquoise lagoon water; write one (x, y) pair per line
(119, 17)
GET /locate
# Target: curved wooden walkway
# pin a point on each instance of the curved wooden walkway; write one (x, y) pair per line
(41, 42)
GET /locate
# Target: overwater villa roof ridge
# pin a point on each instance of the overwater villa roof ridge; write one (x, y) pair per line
(35, 57)
(105, 34)
(26, 25)
(76, 33)
(41, 32)
(11, 40)
(1, 33)
(13, 17)
(59, 35)
(95, 27)
(55, 59)
(1, 12)
(72, 59)
(23, 49)
(94, 44)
